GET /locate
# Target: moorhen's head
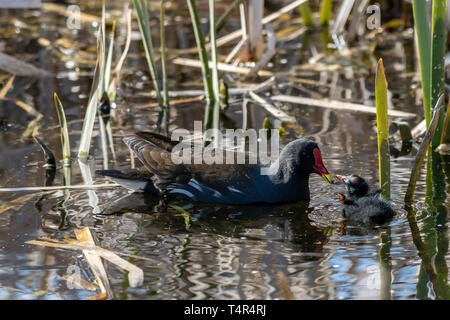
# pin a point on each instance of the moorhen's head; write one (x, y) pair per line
(356, 186)
(306, 157)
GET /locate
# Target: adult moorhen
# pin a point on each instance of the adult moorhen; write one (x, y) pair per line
(220, 183)
(362, 206)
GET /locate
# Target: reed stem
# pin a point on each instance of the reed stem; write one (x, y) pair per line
(438, 40)
(65, 142)
(383, 130)
(305, 12)
(203, 55)
(325, 13)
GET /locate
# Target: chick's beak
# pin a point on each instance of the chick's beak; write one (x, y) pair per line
(341, 178)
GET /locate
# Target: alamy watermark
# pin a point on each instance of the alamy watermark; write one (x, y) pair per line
(74, 277)
(374, 20)
(374, 278)
(73, 19)
(213, 146)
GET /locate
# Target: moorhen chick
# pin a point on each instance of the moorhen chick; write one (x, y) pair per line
(362, 206)
(220, 183)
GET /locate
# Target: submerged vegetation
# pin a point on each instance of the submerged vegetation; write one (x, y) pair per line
(252, 65)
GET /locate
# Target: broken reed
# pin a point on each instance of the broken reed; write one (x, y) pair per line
(383, 130)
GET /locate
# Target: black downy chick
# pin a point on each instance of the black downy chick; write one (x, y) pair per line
(362, 206)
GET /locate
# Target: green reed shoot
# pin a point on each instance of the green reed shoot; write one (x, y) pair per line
(383, 130)
(65, 142)
(422, 28)
(305, 12)
(438, 40)
(325, 13)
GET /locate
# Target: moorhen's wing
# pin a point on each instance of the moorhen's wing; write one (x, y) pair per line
(154, 151)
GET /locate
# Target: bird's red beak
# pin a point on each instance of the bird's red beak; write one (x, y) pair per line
(319, 167)
(341, 178)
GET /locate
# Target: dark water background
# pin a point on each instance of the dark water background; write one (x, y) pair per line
(227, 252)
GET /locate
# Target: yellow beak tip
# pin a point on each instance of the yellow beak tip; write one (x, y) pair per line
(327, 178)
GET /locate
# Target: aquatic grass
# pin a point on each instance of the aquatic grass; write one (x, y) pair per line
(424, 254)
(183, 213)
(420, 156)
(96, 92)
(383, 130)
(104, 81)
(325, 13)
(438, 40)
(385, 264)
(305, 12)
(107, 90)
(118, 67)
(342, 16)
(422, 28)
(144, 27)
(103, 139)
(203, 55)
(209, 71)
(445, 137)
(163, 65)
(108, 61)
(48, 154)
(50, 162)
(215, 72)
(227, 14)
(65, 141)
